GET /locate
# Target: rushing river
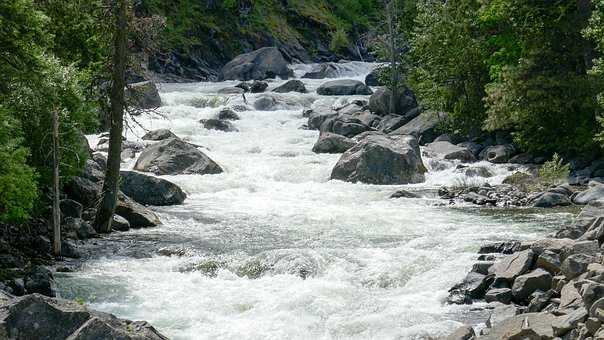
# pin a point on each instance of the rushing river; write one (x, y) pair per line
(272, 249)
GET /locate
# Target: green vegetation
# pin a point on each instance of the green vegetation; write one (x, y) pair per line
(554, 171)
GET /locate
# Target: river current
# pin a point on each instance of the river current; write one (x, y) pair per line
(272, 249)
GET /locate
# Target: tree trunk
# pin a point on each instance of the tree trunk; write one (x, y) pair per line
(392, 16)
(106, 207)
(56, 208)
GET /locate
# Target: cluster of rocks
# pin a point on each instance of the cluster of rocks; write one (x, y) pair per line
(546, 289)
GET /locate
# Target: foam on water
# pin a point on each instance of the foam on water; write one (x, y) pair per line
(274, 250)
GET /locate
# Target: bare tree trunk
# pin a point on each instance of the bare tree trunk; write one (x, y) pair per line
(106, 207)
(56, 208)
(392, 16)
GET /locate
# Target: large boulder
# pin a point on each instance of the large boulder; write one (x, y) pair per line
(423, 127)
(379, 102)
(593, 193)
(227, 114)
(344, 87)
(149, 190)
(446, 150)
(44, 318)
(345, 125)
(258, 86)
(381, 159)
(160, 134)
(527, 284)
(551, 199)
(514, 265)
(373, 78)
(332, 143)
(143, 95)
(83, 190)
(498, 153)
(136, 214)
(41, 281)
(523, 326)
(173, 157)
(322, 71)
(291, 86)
(316, 118)
(267, 62)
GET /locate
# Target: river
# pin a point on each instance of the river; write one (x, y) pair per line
(272, 249)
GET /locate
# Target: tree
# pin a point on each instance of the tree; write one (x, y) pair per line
(108, 202)
(595, 32)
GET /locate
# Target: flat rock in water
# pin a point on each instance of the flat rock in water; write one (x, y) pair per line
(174, 157)
(149, 190)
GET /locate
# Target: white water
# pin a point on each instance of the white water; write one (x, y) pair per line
(274, 250)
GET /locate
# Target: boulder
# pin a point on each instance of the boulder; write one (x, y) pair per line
(217, 124)
(322, 71)
(344, 87)
(473, 286)
(379, 103)
(160, 134)
(71, 208)
(446, 150)
(136, 214)
(119, 223)
(500, 313)
(267, 62)
(332, 143)
(173, 157)
(39, 317)
(258, 86)
(266, 103)
(373, 78)
(514, 265)
(390, 123)
(381, 159)
(533, 326)
(244, 86)
(527, 284)
(549, 261)
(227, 114)
(149, 190)
(143, 95)
(462, 333)
(476, 171)
(78, 229)
(423, 127)
(593, 193)
(474, 147)
(565, 323)
(503, 295)
(83, 190)
(498, 153)
(291, 86)
(575, 265)
(550, 200)
(508, 247)
(316, 119)
(345, 125)
(41, 281)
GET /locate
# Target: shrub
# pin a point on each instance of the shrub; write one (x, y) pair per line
(339, 40)
(554, 171)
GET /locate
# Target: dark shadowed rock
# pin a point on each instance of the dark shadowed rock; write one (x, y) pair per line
(507, 247)
(473, 286)
(83, 190)
(344, 87)
(41, 281)
(423, 127)
(498, 153)
(503, 295)
(143, 95)
(381, 159)
(332, 143)
(446, 150)
(265, 63)
(291, 86)
(373, 78)
(119, 223)
(379, 103)
(266, 103)
(217, 124)
(71, 208)
(390, 123)
(149, 190)
(322, 71)
(136, 214)
(42, 318)
(160, 134)
(316, 119)
(575, 265)
(526, 284)
(346, 125)
(551, 199)
(404, 194)
(227, 114)
(173, 157)
(258, 86)
(549, 261)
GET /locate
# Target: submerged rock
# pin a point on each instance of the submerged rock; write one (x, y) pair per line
(173, 157)
(227, 114)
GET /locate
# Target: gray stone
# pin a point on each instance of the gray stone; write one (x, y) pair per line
(508, 247)
(575, 265)
(549, 261)
(173, 157)
(291, 86)
(462, 333)
(227, 114)
(446, 150)
(41, 281)
(423, 127)
(593, 193)
(258, 86)
(217, 124)
(332, 143)
(500, 313)
(344, 87)
(149, 190)
(498, 153)
(160, 134)
(345, 125)
(71, 208)
(143, 95)
(503, 295)
(512, 266)
(231, 90)
(404, 194)
(119, 223)
(266, 103)
(533, 326)
(569, 321)
(473, 286)
(137, 215)
(524, 285)
(550, 200)
(379, 103)
(316, 119)
(267, 62)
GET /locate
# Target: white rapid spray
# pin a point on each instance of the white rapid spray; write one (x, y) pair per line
(274, 250)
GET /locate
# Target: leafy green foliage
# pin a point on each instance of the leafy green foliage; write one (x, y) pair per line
(595, 32)
(339, 41)
(554, 171)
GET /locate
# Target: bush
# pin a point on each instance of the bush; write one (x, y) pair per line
(339, 41)
(554, 171)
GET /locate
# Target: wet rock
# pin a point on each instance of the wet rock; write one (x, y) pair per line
(503, 295)
(575, 265)
(266, 103)
(322, 71)
(78, 228)
(423, 127)
(379, 103)
(498, 153)
(258, 86)
(404, 194)
(173, 157)
(381, 159)
(267, 62)
(227, 114)
(525, 285)
(475, 198)
(446, 150)
(476, 171)
(118, 223)
(143, 95)
(514, 265)
(291, 86)
(149, 190)
(71, 208)
(160, 134)
(550, 200)
(390, 123)
(244, 86)
(137, 215)
(462, 333)
(39, 317)
(593, 193)
(217, 124)
(41, 281)
(343, 87)
(83, 190)
(332, 143)
(473, 286)
(474, 147)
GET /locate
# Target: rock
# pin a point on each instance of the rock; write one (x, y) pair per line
(508, 247)
(291, 86)
(475, 148)
(498, 153)
(462, 333)
(143, 95)
(78, 228)
(244, 86)
(526, 284)
(550, 200)
(160, 134)
(597, 308)
(473, 286)
(71, 208)
(379, 103)
(575, 265)
(344, 87)
(404, 194)
(500, 313)
(373, 78)
(381, 159)
(265, 63)
(149, 190)
(40, 280)
(539, 300)
(569, 321)
(423, 127)
(258, 86)
(332, 143)
(173, 157)
(231, 90)
(514, 265)
(482, 267)
(266, 103)
(446, 150)
(503, 295)
(549, 261)
(227, 114)
(478, 199)
(390, 123)
(593, 193)
(217, 124)
(523, 158)
(83, 190)
(533, 326)
(345, 125)
(316, 119)
(137, 215)
(570, 297)
(39, 317)
(477, 171)
(119, 223)
(69, 250)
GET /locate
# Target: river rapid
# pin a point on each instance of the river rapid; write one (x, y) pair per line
(272, 249)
